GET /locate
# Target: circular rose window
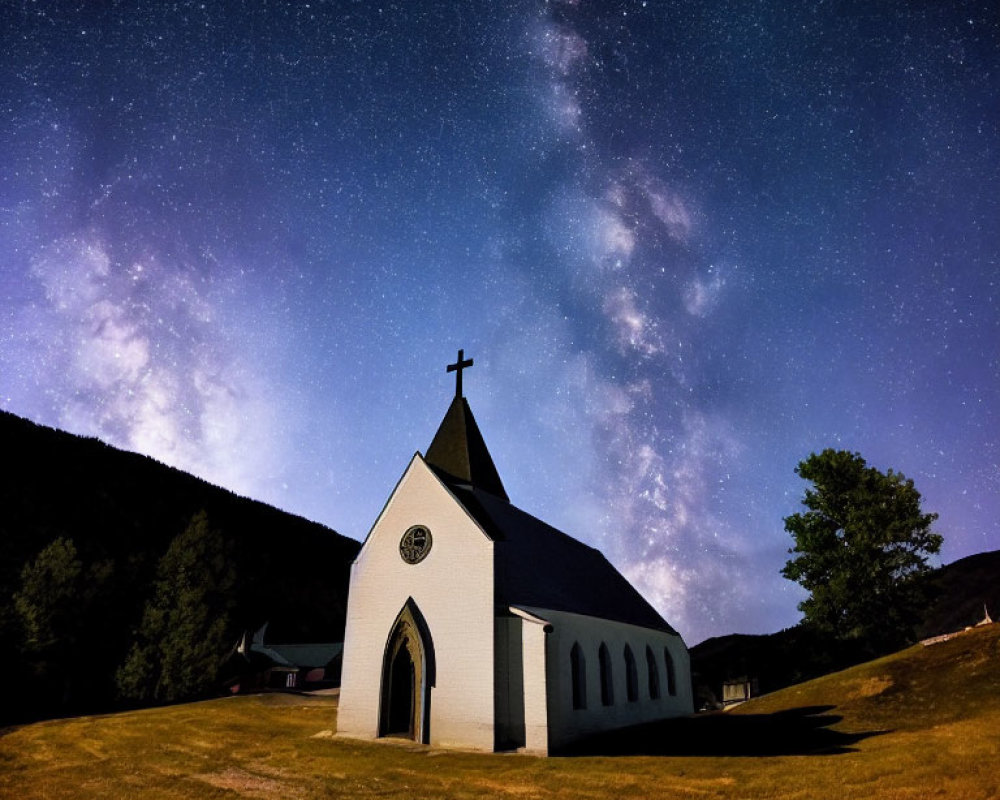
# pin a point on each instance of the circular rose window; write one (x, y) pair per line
(415, 544)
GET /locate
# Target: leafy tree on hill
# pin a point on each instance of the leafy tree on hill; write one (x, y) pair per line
(185, 631)
(860, 550)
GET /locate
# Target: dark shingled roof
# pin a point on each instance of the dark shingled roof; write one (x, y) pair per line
(307, 655)
(459, 452)
(537, 565)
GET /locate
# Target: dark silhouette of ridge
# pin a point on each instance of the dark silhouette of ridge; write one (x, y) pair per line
(123, 509)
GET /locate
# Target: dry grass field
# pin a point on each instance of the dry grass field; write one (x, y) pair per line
(924, 723)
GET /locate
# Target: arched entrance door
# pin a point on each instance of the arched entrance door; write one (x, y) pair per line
(407, 676)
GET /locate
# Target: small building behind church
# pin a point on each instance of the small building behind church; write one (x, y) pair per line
(256, 665)
(473, 624)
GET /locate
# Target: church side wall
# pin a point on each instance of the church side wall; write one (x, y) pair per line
(535, 660)
(522, 706)
(453, 589)
(566, 723)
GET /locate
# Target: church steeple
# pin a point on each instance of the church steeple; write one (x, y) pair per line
(458, 449)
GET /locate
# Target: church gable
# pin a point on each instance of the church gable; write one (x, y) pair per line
(424, 553)
(419, 494)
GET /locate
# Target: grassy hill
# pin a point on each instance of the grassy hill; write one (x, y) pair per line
(921, 723)
(121, 510)
(958, 592)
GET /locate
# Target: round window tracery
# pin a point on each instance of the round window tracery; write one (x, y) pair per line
(415, 544)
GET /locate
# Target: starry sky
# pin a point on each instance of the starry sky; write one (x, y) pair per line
(686, 243)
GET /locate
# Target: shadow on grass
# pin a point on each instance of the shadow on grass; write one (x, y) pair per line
(797, 731)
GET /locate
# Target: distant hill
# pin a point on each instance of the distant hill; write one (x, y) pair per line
(124, 509)
(777, 660)
(962, 588)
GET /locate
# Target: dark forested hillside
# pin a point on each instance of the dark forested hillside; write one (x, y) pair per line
(120, 512)
(961, 590)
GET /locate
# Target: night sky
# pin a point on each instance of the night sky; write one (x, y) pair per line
(686, 243)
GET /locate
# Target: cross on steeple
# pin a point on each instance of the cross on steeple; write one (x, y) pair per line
(457, 368)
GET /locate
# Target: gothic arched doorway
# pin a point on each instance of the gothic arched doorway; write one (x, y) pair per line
(407, 677)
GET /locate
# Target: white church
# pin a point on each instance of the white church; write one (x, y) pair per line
(472, 624)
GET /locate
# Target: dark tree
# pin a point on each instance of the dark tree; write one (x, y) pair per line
(186, 630)
(861, 549)
(47, 602)
(53, 606)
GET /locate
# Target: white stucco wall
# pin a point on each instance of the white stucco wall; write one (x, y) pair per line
(566, 724)
(452, 587)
